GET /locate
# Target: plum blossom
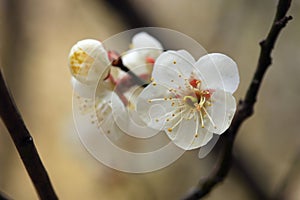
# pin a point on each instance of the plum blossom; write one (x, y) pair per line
(104, 92)
(190, 100)
(144, 50)
(88, 60)
(139, 59)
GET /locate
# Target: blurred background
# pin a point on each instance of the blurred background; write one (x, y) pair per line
(35, 39)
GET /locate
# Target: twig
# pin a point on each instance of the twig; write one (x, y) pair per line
(4, 196)
(24, 143)
(245, 107)
(137, 80)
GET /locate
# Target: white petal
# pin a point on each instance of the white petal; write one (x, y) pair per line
(127, 118)
(143, 39)
(187, 56)
(203, 137)
(174, 61)
(221, 111)
(84, 105)
(152, 107)
(138, 58)
(208, 147)
(133, 59)
(83, 90)
(219, 71)
(184, 134)
(88, 60)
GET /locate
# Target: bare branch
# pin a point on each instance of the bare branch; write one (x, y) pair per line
(4, 196)
(245, 107)
(24, 143)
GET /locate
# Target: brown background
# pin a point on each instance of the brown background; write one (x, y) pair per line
(35, 38)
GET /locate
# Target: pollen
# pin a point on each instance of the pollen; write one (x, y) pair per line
(80, 63)
(154, 84)
(174, 62)
(196, 135)
(170, 129)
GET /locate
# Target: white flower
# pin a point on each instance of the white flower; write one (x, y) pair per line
(88, 60)
(190, 100)
(113, 109)
(139, 59)
(144, 50)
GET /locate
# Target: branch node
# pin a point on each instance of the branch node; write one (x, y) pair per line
(283, 21)
(262, 43)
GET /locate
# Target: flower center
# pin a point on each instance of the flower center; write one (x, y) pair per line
(189, 102)
(198, 101)
(199, 97)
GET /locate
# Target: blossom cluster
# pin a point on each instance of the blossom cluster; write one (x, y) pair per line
(189, 100)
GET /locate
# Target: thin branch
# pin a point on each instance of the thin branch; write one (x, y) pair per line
(4, 196)
(137, 80)
(245, 107)
(24, 143)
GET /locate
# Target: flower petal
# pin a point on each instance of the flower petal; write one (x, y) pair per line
(143, 39)
(192, 136)
(83, 90)
(203, 137)
(184, 134)
(138, 58)
(174, 61)
(219, 71)
(88, 60)
(133, 58)
(221, 111)
(204, 150)
(127, 118)
(154, 106)
(187, 56)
